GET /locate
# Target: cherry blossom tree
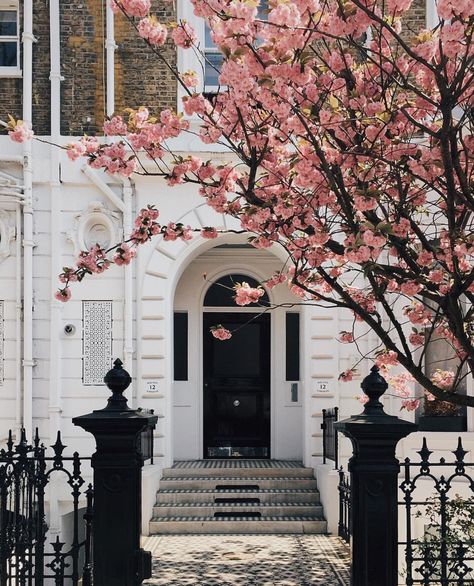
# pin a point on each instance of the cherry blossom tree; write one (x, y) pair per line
(351, 145)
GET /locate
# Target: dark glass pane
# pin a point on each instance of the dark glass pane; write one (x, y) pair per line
(239, 356)
(8, 23)
(8, 54)
(180, 346)
(293, 346)
(212, 69)
(221, 293)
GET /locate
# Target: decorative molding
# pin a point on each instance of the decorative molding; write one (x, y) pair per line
(7, 233)
(95, 225)
(96, 341)
(2, 342)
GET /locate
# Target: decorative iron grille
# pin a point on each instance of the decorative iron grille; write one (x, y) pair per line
(26, 557)
(439, 496)
(435, 513)
(345, 506)
(330, 440)
(96, 341)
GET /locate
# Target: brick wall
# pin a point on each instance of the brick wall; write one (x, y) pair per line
(140, 77)
(82, 66)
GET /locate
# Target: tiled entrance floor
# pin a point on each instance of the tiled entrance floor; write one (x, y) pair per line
(248, 560)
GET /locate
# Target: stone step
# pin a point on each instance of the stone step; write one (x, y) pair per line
(248, 471)
(205, 482)
(270, 525)
(286, 509)
(208, 496)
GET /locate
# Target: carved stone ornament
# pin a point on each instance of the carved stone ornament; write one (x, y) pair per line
(95, 225)
(7, 233)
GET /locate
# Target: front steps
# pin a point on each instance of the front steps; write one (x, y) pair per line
(237, 496)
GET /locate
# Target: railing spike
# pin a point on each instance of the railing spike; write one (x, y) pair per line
(425, 453)
(37, 438)
(10, 441)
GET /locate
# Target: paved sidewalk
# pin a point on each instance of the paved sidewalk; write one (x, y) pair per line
(248, 560)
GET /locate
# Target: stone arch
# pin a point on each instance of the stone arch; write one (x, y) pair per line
(159, 278)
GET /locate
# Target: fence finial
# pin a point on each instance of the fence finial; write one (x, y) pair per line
(374, 386)
(117, 379)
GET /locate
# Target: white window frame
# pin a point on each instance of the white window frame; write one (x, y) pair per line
(11, 70)
(188, 58)
(209, 51)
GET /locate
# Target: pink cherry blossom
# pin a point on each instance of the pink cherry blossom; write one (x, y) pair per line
(410, 404)
(221, 333)
(410, 288)
(184, 36)
(124, 254)
(209, 233)
(416, 339)
(443, 378)
(75, 150)
(346, 337)
(190, 78)
(132, 7)
(150, 29)
(387, 359)
(63, 294)
(245, 294)
(20, 132)
(115, 126)
(347, 375)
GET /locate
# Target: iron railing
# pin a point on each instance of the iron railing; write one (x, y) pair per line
(440, 496)
(345, 506)
(436, 512)
(26, 557)
(330, 440)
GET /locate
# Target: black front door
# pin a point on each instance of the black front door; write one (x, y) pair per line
(237, 387)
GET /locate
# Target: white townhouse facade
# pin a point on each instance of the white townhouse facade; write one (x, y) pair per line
(260, 394)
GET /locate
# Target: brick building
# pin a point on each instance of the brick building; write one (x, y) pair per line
(65, 65)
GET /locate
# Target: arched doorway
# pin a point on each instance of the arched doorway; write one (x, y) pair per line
(236, 374)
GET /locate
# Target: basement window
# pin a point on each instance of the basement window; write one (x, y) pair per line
(9, 39)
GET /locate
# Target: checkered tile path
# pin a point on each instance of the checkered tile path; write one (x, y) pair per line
(248, 560)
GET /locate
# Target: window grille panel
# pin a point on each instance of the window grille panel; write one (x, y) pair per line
(96, 341)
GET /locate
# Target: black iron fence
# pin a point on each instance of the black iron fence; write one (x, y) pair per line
(436, 513)
(330, 440)
(440, 497)
(27, 557)
(345, 506)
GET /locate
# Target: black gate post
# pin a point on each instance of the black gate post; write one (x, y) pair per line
(374, 474)
(117, 557)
